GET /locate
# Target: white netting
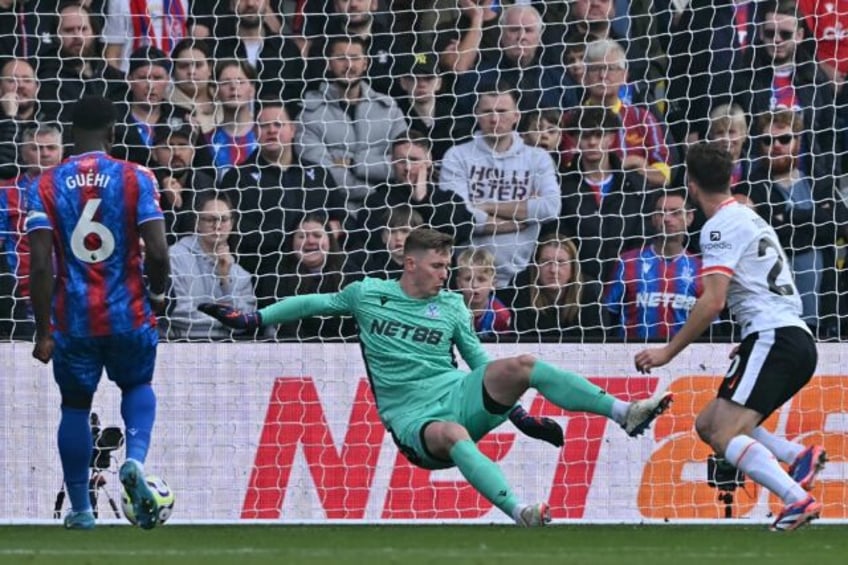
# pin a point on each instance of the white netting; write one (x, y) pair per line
(551, 134)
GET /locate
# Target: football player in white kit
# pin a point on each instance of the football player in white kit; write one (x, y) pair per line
(745, 266)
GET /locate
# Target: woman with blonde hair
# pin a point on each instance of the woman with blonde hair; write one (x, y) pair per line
(552, 298)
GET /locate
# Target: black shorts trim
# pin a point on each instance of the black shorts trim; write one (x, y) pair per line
(770, 368)
(413, 455)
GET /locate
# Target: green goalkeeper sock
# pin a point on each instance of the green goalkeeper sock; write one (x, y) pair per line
(484, 475)
(570, 391)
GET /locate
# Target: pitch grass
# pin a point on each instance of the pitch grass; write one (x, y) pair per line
(416, 545)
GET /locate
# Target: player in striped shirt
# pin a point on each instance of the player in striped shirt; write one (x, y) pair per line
(92, 211)
(653, 289)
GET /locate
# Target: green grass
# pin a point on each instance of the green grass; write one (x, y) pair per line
(415, 545)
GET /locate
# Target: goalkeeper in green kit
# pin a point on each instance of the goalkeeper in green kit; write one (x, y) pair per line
(435, 412)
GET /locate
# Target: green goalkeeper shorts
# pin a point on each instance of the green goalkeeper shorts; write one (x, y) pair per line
(462, 404)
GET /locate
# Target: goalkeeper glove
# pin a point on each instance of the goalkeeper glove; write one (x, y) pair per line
(231, 317)
(545, 429)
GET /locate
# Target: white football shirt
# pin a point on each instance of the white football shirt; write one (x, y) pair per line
(738, 243)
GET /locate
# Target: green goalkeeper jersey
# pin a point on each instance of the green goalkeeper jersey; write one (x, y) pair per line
(407, 342)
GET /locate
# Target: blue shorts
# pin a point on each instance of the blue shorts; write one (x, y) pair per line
(463, 404)
(78, 362)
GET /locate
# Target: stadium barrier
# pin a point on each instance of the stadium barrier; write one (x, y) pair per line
(289, 433)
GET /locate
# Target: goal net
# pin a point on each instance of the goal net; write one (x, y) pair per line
(296, 143)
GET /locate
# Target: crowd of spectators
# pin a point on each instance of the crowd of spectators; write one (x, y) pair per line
(296, 143)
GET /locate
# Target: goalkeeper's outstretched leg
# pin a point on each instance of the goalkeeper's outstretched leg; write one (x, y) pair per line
(506, 380)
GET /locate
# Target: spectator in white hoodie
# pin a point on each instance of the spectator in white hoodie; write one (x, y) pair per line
(510, 188)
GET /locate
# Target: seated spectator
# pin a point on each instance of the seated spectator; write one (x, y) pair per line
(272, 190)
(333, 130)
(386, 261)
(783, 74)
(73, 68)
(587, 21)
(641, 141)
(192, 78)
(541, 128)
(803, 210)
(41, 148)
(179, 182)
(234, 138)
(729, 127)
(653, 289)
(18, 111)
(518, 62)
(510, 188)
(127, 28)
(359, 19)
(412, 184)
(475, 279)
(147, 106)
(603, 206)
(429, 108)
(250, 33)
(203, 269)
(552, 299)
(313, 263)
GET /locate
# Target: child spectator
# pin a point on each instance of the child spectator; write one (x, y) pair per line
(387, 261)
(475, 279)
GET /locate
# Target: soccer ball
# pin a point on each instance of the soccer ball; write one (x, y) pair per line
(161, 492)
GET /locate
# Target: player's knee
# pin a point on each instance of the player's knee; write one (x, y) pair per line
(523, 365)
(453, 433)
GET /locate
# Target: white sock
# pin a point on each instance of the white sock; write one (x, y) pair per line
(619, 411)
(755, 460)
(516, 512)
(785, 450)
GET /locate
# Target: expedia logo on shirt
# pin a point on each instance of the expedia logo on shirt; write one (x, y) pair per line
(716, 243)
(417, 334)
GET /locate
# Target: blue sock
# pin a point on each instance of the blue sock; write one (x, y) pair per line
(75, 450)
(138, 408)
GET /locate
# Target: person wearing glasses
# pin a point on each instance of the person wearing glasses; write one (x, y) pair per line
(784, 74)
(803, 210)
(203, 269)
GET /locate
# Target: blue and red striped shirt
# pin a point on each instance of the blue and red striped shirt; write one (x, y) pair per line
(94, 205)
(652, 295)
(229, 151)
(12, 229)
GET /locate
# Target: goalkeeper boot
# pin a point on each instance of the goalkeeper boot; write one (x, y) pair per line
(534, 515)
(143, 501)
(807, 465)
(642, 412)
(79, 520)
(795, 515)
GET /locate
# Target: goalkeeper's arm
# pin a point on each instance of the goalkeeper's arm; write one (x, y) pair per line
(288, 310)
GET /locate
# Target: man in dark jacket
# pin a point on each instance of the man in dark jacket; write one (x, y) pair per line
(273, 190)
(604, 209)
